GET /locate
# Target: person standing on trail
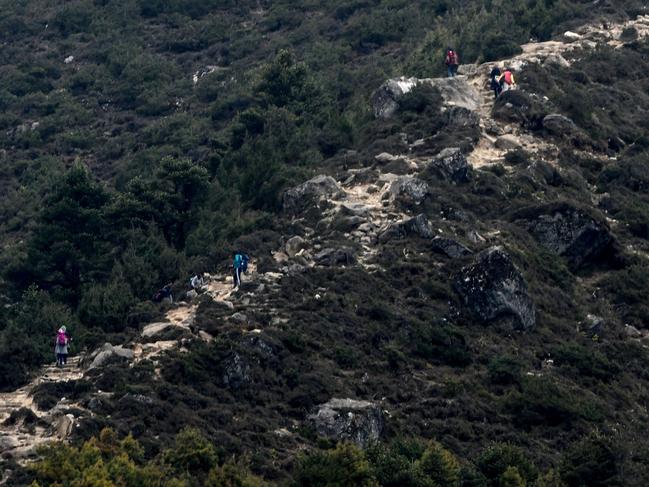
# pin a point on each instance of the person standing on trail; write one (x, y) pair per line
(452, 62)
(507, 81)
(494, 77)
(239, 265)
(61, 347)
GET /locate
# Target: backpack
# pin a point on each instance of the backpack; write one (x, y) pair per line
(452, 57)
(244, 262)
(61, 338)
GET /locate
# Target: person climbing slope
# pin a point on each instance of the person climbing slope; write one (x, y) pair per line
(239, 265)
(164, 293)
(452, 62)
(507, 80)
(494, 77)
(197, 283)
(61, 347)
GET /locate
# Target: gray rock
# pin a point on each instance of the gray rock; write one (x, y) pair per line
(154, 329)
(139, 398)
(456, 92)
(191, 295)
(318, 187)
(334, 257)
(559, 125)
(556, 60)
(360, 422)
(294, 245)
(63, 426)
(102, 355)
(460, 117)
(568, 231)
(507, 142)
(594, 325)
(632, 331)
(409, 190)
(492, 128)
(452, 165)
(569, 36)
(493, 290)
(236, 372)
(385, 157)
(417, 226)
(239, 317)
(449, 247)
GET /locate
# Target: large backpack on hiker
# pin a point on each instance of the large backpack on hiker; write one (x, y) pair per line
(61, 339)
(244, 262)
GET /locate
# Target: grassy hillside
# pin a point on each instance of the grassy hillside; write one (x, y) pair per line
(143, 141)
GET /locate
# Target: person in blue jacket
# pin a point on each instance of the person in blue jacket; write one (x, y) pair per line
(239, 265)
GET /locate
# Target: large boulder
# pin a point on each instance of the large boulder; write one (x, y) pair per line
(559, 125)
(493, 290)
(409, 190)
(235, 372)
(313, 189)
(418, 226)
(567, 231)
(460, 117)
(108, 352)
(451, 248)
(452, 165)
(360, 422)
(334, 257)
(520, 107)
(455, 92)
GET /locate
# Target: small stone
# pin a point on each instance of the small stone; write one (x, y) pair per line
(507, 142)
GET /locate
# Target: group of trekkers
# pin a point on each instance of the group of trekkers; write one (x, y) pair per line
(240, 262)
(501, 80)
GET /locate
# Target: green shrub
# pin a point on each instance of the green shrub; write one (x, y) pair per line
(345, 466)
(504, 370)
(594, 461)
(500, 458)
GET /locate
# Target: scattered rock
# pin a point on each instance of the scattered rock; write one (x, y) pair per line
(409, 190)
(507, 142)
(559, 125)
(452, 165)
(360, 422)
(460, 117)
(556, 60)
(594, 325)
(63, 426)
(239, 317)
(492, 128)
(334, 257)
(236, 372)
(567, 231)
(492, 289)
(318, 187)
(137, 398)
(294, 245)
(68, 59)
(569, 36)
(632, 331)
(385, 157)
(417, 226)
(450, 247)
(155, 328)
(102, 355)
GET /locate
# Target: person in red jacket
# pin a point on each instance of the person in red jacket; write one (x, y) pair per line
(452, 61)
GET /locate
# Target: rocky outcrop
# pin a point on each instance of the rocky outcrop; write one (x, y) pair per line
(360, 422)
(455, 92)
(313, 189)
(493, 290)
(559, 125)
(460, 117)
(409, 190)
(451, 164)
(418, 226)
(334, 257)
(102, 355)
(517, 106)
(451, 248)
(507, 142)
(235, 372)
(294, 245)
(567, 231)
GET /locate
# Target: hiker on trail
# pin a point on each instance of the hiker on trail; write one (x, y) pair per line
(164, 293)
(494, 77)
(61, 347)
(197, 283)
(239, 265)
(452, 62)
(507, 81)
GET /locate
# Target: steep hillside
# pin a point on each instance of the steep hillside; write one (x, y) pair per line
(446, 289)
